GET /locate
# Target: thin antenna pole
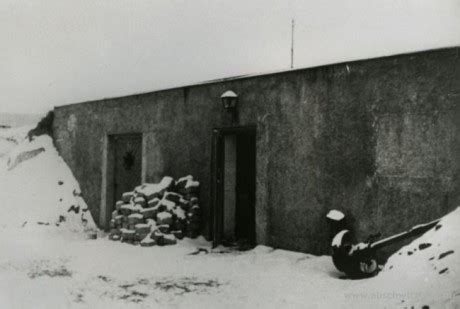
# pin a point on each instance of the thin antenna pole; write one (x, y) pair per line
(292, 42)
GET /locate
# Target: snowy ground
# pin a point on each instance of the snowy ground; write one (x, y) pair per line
(52, 264)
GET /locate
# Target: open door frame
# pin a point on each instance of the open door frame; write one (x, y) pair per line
(217, 182)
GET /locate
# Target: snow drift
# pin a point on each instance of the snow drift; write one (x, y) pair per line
(427, 271)
(37, 187)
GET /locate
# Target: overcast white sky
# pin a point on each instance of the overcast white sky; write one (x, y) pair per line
(56, 52)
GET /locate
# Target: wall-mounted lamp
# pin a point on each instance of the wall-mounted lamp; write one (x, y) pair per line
(230, 103)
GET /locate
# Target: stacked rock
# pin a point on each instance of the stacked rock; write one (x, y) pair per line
(158, 213)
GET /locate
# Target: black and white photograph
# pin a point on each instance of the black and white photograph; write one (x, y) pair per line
(229, 154)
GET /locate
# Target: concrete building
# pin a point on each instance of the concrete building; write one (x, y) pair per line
(376, 139)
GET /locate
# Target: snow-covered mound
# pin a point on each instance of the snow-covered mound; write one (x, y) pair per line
(428, 268)
(37, 187)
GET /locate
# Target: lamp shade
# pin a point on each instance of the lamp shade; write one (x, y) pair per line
(229, 100)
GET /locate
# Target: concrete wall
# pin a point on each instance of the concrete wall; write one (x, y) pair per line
(374, 138)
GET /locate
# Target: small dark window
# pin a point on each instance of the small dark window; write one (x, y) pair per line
(128, 160)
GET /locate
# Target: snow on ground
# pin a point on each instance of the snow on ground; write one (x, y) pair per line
(11, 137)
(51, 266)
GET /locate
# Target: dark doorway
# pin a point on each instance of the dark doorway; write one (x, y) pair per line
(125, 167)
(234, 184)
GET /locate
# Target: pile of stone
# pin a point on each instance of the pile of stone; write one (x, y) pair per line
(158, 214)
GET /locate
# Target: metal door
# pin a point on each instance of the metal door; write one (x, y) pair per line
(127, 163)
(246, 186)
